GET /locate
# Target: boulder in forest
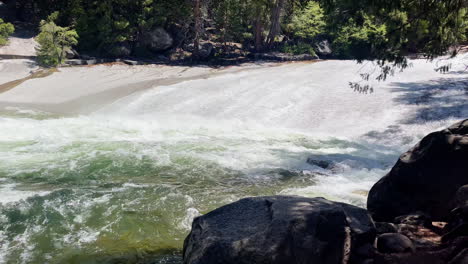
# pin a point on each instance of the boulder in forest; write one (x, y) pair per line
(157, 40)
(425, 179)
(206, 50)
(277, 230)
(122, 49)
(71, 54)
(323, 48)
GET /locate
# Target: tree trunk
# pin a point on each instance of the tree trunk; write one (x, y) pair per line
(197, 27)
(258, 31)
(275, 20)
(258, 35)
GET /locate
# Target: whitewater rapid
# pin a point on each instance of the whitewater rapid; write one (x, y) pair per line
(125, 180)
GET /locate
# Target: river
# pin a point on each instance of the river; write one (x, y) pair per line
(122, 183)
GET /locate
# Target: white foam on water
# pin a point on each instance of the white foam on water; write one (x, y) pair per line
(186, 223)
(314, 98)
(250, 116)
(251, 122)
(10, 194)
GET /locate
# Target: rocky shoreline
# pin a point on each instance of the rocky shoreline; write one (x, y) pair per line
(418, 213)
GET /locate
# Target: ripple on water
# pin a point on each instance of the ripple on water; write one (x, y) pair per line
(125, 187)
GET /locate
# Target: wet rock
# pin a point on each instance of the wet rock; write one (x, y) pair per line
(278, 229)
(383, 227)
(394, 243)
(285, 174)
(416, 219)
(461, 196)
(425, 179)
(157, 40)
(324, 164)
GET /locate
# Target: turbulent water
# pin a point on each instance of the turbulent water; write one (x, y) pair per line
(122, 185)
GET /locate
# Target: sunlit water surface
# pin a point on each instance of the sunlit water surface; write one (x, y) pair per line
(123, 184)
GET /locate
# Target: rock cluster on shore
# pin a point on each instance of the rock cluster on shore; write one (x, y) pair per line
(425, 178)
(418, 213)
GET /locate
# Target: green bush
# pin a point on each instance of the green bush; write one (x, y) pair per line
(308, 22)
(6, 29)
(360, 40)
(54, 41)
(298, 48)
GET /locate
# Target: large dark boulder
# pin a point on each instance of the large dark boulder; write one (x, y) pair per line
(157, 40)
(279, 230)
(425, 179)
(394, 243)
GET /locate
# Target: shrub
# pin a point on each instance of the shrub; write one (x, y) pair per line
(308, 22)
(54, 41)
(298, 48)
(6, 29)
(360, 40)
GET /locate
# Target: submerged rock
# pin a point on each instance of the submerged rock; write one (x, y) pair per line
(279, 229)
(425, 178)
(324, 164)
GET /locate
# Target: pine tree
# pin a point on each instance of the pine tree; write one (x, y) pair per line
(54, 41)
